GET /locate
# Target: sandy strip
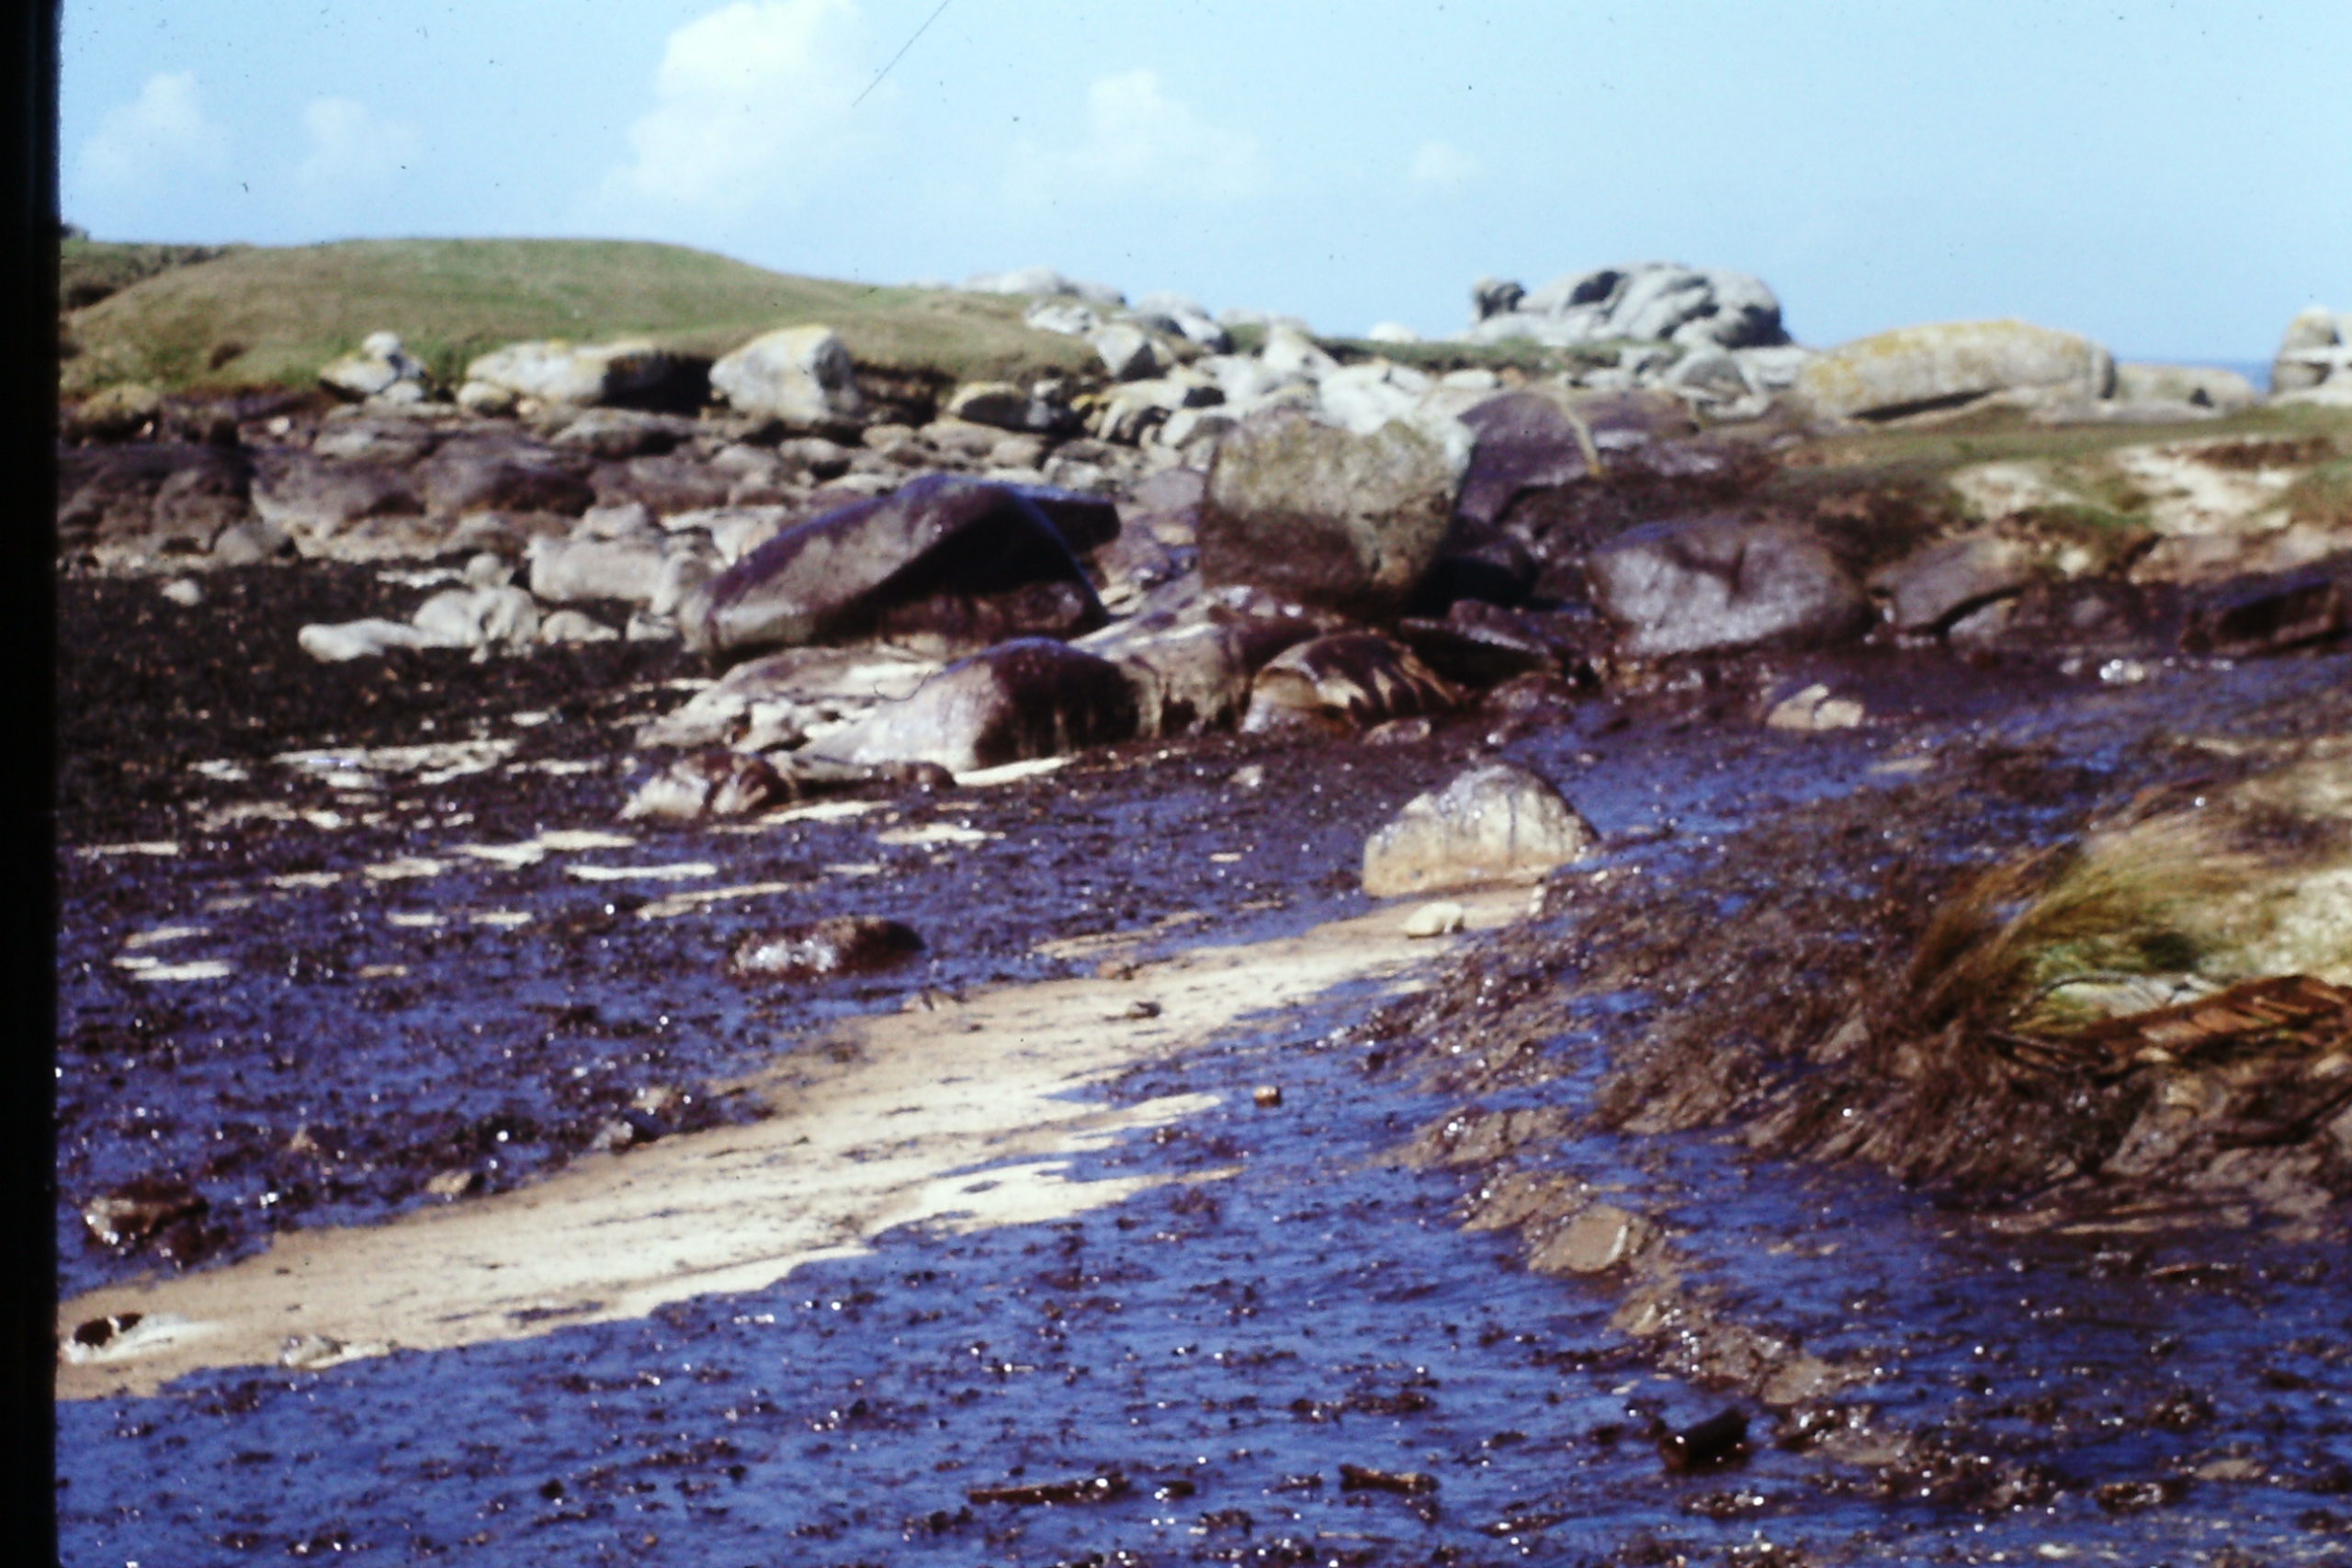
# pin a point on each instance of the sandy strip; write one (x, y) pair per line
(888, 1127)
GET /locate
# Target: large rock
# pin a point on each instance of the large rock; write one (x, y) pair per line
(1129, 353)
(1024, 699)
(942, 564)
(800, 374)
(2196, 386)
(314, 500)
(1707, 585)
(1928, 590)
(1496, 823)
(631, 374)
(1917, 369)
(664, 484)
(121, 503)
(1648, 300)
(495, 474)
(1324, 516)
(2315, 351)
(1342, 683)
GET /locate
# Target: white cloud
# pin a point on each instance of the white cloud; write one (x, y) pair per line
(161, 130)
(1441, 165)
(752, 105)
(350, 145)
(1138, 140)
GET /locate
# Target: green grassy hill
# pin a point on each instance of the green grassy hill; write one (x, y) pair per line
(264, 315)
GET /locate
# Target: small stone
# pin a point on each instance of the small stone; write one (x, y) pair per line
(1269, 1096)
(449, 1185)
(1443, 917)
(183, 591)
(139, 1210)
(845, 944)
(1813, 710)
(1252, 777)
(1141, 1009)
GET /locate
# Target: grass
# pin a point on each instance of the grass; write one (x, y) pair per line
(2322, 497)
(259, 316)
(2005, 435)
(89, 270)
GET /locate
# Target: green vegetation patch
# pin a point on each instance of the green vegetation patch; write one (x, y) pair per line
(271, 316)
(90, 270)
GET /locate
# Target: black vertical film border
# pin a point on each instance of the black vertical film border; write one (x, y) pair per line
(28, 656)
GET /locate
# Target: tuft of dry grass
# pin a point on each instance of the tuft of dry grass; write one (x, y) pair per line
(2133, 900)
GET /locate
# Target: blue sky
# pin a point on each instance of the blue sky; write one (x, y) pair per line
(2170, 179)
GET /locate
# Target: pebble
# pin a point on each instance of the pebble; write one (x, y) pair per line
(1443, 917)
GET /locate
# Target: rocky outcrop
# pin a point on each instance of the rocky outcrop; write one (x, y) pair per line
(2315, 356)
(1920, 370)
(802, 376)
(943, 565)
(633, 374)
(1044, 281)
(1709, 584)
(383, 371)
(1647, 302)
(1325, 517)
(1496, 823)
(1027, 699)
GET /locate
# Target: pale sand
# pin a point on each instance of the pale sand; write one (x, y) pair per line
(962, 1115)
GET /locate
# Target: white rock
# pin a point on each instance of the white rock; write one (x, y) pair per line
(367, 638)
(802, 374)
(571, 374)
(1392, 332)
(1129, 353)
(478, 618)
(1443, 917)
(1290, 352)
(1496, 823)
(1814, 709)
(1067, 317)
(571, 626)
(1951, 362)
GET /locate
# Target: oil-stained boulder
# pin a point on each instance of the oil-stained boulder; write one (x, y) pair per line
(1343, 684)
(1928, 590)
(711, 783)
(2270, 614)
(943, 565)
(1709, 584)
(314, 500)
(820, 950)
(1324, 516)
(1028, 698)
(1188, 679)
(490, 474)
(1496, 823)
(777, 699)
(1483, 645)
